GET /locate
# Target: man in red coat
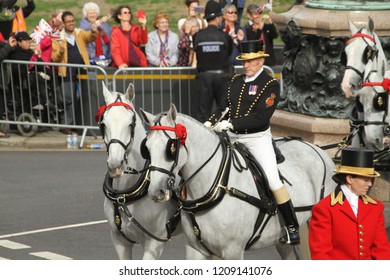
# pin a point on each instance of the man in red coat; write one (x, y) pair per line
(348, 224)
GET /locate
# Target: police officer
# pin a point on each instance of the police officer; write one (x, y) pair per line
(252, 99)
(213, 48)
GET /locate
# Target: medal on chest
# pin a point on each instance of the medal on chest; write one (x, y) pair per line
(252, 89)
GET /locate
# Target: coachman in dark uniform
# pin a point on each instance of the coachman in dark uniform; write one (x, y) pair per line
(252, 99)
(213, 48)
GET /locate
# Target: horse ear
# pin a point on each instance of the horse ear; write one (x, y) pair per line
(371, 26)
(107, 94)
(130, 92)
(352, 27)
(146, 117)
(172, 113)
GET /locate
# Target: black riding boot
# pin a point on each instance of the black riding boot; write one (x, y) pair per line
(291, 235)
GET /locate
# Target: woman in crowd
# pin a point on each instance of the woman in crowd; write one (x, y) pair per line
(127, 38)
(162, 50)
(101, 47)
(56, 23)
(193, 6)
(262, 28)
(231, 27)
(187, 57)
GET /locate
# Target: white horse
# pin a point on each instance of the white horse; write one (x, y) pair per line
(362, 47)
(371, 120)
(132, 215)
(366, 64)
(216, 218)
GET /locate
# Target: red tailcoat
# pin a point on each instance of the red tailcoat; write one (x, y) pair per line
(335, 233)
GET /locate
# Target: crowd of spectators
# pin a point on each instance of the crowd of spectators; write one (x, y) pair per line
(121, 39)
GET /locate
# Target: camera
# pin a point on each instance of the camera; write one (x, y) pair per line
(199, 9)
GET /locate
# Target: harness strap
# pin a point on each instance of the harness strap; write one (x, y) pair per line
(264, 205)
(198, 234)
(260, 219)
(168, 226)
(118, 223)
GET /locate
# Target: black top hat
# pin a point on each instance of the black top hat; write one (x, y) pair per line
(357, 161)
(20, 36)
(251, 50)
(212, 10)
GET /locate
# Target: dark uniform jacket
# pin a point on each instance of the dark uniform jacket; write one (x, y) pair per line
(251, 105)
(335, 232)
(213, 48)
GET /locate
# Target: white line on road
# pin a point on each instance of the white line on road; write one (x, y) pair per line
(12, 245)
(50, 256)
(52, 229)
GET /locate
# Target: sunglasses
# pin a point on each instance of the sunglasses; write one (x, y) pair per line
(125, 13)
(231, 12)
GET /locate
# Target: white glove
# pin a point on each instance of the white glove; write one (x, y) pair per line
(208, 124)
(223, 125)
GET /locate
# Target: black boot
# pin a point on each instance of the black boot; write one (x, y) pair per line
(291, 235)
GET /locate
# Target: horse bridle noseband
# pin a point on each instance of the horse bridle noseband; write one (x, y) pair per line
(100, 116)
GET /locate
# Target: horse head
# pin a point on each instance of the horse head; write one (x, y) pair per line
(364, 46)
(117, 121)
(165, 147)
(372, 108)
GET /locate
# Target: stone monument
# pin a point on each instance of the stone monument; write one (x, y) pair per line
(313, 105)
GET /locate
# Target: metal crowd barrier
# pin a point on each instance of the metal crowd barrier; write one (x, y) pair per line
(35, 96)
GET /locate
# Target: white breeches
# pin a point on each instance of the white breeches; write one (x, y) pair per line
(260, 146)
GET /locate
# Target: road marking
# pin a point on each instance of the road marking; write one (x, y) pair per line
(52, 229)
(13, 245)
(50, 256)
(1, 259)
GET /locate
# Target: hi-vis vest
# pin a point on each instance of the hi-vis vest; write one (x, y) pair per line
(19, 23)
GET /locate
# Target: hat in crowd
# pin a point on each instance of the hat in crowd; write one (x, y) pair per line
(20, 36)
(251, 50)
(212, 10)
(357, 161)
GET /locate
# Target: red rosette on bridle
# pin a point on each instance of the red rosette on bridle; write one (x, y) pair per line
(100, 112)
(181, 133)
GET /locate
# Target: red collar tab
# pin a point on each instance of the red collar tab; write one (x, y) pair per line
(103, 108)
(180, 131)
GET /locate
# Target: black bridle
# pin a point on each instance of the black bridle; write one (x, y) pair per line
(372, 51)
(181, 136)
(100, 117)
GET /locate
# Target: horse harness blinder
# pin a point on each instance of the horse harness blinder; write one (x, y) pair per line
(171, 150)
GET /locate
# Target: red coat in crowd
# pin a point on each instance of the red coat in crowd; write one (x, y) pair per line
(120, 45)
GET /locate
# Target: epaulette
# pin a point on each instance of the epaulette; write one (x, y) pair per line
(367, 199)
(334, 199)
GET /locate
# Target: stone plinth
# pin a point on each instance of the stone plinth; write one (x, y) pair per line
(332, 22)
(319, 131)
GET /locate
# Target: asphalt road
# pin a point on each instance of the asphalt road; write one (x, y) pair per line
(51, 207)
